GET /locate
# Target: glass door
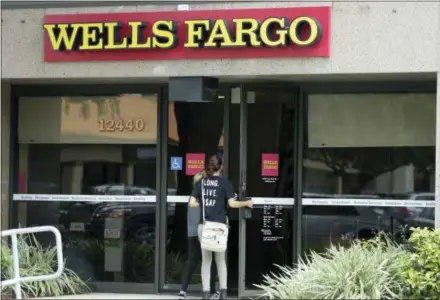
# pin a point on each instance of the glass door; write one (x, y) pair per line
(261, 166)
(195, 130)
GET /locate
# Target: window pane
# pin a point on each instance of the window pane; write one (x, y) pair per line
(371, 153)
(371, 120)
(195, 130)
(124, 119)
(270, 138)
(87, 165)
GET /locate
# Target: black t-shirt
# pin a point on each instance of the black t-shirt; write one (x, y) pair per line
(217, 190)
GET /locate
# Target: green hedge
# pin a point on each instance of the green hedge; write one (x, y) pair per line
(374, 269)
(422, 264)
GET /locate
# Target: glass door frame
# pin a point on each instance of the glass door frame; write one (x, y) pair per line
(74, 90)
(298, 129)
(161, 173)
(299, 96)
(226, 91)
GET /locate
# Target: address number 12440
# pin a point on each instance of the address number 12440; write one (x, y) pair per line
(111, 125)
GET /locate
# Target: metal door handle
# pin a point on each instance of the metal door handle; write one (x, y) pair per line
(247, 211)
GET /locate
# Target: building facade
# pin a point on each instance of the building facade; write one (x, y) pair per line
(325, 114)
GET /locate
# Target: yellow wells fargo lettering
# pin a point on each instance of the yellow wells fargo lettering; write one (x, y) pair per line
(248, 32)
(107, 35)
(195, 164)
(270, 164)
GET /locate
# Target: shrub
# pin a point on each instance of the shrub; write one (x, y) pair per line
(422, 264)
(363, 271)
(138, 261)
(37, 260)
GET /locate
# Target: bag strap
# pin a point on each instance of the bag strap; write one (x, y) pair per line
(203, 200)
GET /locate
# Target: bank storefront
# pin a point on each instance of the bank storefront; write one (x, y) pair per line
(108, 157)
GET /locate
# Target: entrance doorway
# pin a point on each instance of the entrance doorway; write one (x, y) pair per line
(254, 130)
(261, 167)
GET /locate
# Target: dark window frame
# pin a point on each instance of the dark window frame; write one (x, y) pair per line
(367, 87)
(303, 90)
(72, 90)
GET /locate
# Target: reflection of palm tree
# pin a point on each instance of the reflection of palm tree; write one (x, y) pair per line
(371, 162)
(106, 105)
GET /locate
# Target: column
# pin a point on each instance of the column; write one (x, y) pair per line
(23, 168)
(129, 174)
(5, 129)
(437, 158)
(77, 178)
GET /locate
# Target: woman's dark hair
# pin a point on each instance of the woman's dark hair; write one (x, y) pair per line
(214, 164)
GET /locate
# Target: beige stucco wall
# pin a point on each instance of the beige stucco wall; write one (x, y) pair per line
(366, 37)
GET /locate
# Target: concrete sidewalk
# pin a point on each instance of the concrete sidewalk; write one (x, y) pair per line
(124, 296)
(118, 296)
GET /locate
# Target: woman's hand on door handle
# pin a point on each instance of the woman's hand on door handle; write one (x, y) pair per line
(239, 204)
(249, 203)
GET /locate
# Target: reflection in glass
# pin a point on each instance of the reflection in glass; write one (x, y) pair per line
(194, 127)
(270, 126)
(392, 173)
(376, 147)
(98, 185)
(123, 119)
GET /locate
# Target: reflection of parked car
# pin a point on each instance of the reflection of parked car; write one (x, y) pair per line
(139, 218)
(325, 223)
(322, 221)
(122, 189)
(424, 218)
(76, 215)
(403, 213)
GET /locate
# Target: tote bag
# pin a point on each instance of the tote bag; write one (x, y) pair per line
(214, 235)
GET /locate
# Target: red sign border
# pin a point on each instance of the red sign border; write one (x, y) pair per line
(263, 159)
(321, 49)
(192, 171)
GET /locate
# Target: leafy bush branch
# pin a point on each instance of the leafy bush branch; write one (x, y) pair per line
(36, 260)
(374, 269)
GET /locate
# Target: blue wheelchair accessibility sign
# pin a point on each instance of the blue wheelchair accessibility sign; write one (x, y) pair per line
(176, 163)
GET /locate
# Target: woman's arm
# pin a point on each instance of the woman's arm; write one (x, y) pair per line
(232, 198)
(193, 202)
(196, 194)
(239, 204)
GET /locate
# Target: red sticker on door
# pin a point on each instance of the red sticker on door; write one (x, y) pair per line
(269, 165)
(195, 162)
(22, 183)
